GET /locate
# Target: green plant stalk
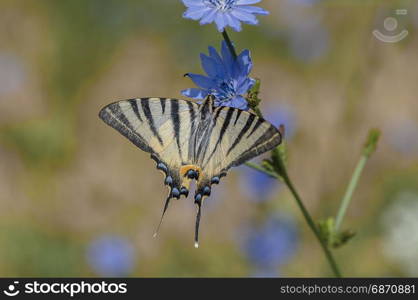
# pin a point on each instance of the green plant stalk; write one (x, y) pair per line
(349, 192)
(312, 226)
(306, 215)
(368, 149)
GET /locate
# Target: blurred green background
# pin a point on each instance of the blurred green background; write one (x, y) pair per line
(78, 199)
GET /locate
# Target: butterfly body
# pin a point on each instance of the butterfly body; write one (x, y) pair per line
(191, 141)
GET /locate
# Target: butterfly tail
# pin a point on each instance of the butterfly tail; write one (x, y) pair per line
(167, 201)
(196, 234)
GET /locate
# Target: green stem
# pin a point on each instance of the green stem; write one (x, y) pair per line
(311, 224)
(229, 43)
(349, 192)
(306, 215)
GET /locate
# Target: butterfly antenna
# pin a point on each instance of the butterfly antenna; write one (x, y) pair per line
(162, 216)
(196, 234)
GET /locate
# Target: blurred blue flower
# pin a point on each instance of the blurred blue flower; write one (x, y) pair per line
(111, 256)
(272, 243)
(13, 74)
(223, 12)
(257, 185)
(402, 135)
(309, 39)
(227, 78)
(267, 272)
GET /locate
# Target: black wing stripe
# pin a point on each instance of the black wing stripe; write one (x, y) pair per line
(259, 122)
(118, 114)
(268, 140)
(163, 102)
(134, 106)
(192, 116)
(114, 117)
(264, 138)
(148, 115)
(225, 126)
(246, 127)
(217, 115)
(209, 135)
(175, 119)
(204, 134)
(237, 117)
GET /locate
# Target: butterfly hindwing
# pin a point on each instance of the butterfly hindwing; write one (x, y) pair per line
(237, 137)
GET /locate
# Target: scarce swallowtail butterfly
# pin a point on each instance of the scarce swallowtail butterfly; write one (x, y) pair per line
(191, 141)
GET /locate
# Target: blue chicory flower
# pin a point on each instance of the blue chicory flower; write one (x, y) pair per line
(223, 12)
(227, 78)
(111, 256)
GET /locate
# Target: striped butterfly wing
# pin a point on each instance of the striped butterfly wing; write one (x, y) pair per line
(237, 137)
(161, 127)
(191, 141)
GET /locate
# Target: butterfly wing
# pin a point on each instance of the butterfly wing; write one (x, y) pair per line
(183, 137)
(237, 137)
(159, 126)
